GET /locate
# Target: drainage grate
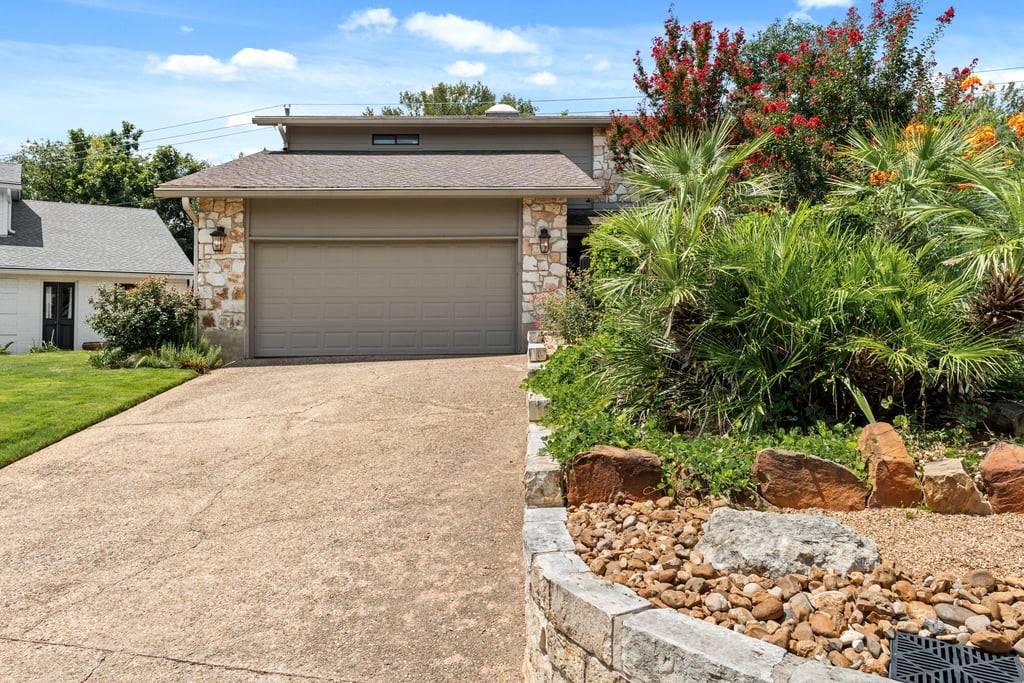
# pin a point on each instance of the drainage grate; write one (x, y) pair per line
(926, 660)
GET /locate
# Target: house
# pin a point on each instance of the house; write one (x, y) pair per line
(375, 235)
(53, 255)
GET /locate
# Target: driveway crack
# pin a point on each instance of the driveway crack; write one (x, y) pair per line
(107, 652)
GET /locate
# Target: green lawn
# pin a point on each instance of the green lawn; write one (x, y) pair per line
(47, 396)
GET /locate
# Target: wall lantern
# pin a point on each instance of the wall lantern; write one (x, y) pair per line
(545, 241)
(218, 236)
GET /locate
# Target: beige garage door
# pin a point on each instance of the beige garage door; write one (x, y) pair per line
(402, 298)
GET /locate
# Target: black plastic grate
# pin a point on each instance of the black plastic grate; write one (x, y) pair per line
(926, 660)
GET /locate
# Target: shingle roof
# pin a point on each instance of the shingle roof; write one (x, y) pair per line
(527, 174)
(83, 237)
(10, 176)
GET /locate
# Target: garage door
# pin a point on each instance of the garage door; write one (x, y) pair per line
(354, 298)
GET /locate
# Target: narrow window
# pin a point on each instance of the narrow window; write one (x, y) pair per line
(392, 139)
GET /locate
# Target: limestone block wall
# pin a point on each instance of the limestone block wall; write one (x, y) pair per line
(581, 628)
(220, 277)
(542, 272)
(604, 170)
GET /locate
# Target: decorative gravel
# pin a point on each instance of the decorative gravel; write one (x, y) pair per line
(917, 539)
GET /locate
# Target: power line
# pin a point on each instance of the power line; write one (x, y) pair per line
(212, 118)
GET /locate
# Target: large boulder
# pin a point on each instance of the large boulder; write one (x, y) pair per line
(606, 474)
(890, 468)
(773, 545)
(949, 489)
(1002, 472)
(1006, 417)
(793, 480)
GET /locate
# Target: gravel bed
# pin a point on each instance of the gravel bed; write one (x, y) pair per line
(917, 539)
(955, 578)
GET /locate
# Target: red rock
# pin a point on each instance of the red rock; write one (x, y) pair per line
(794, 480)
(606, 474)
(1002, 471)
(890, 468)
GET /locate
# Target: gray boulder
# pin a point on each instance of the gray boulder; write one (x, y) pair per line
(773, 545)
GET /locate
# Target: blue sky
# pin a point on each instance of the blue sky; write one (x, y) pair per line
(94, 63)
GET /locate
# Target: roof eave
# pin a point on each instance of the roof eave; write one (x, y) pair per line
(252, 193)
(435, 121)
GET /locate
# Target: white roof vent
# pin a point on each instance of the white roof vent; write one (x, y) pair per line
(502, 110)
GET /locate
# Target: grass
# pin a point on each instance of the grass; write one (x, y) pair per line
(44, 397)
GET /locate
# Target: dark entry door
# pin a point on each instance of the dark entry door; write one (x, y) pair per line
(59, 314)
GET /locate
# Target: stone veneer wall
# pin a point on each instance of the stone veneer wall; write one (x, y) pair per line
(581, 628)
(220, 280)
(604, 170)
(542, 272)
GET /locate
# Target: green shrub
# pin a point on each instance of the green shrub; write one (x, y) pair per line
(145, 317)
(43, 347)
(201, 356)
(573, 312)
(110, 357)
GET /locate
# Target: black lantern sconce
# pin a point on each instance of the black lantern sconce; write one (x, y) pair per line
(545, 241)
(218, 236)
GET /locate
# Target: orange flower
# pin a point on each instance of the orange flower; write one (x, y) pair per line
(961, 186)
(879, 178)
(980, 138)
(914, 129)
(1017, 123)
(969, 82)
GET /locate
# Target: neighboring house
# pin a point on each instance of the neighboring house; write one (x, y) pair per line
(394, 235)
(53, 255)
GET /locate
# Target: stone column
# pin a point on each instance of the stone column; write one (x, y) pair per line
(614, 191)
(542, 272)
(220, 277)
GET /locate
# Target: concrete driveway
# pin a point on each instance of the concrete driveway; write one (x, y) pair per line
(336, 522)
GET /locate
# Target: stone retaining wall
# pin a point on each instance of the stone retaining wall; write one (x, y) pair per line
(583, 629)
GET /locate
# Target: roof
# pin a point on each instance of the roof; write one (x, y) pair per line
(10, 178)
(84, 237)
(522, 174)
(437, 121)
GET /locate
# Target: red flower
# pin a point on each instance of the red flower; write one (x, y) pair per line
(784, 58)
(945, 17)
(780, 131)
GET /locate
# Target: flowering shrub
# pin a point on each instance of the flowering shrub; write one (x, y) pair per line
(1016, 123)
(571, 313)
(145, 317)
(809, 94)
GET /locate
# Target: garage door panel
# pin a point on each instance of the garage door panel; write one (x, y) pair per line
(377, 298)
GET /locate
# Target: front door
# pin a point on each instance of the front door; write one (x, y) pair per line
(59, 314)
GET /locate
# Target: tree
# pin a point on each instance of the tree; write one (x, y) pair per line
(107, 169)
(807, 85)
(459, 99)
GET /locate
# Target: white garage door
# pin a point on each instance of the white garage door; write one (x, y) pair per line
(354, 298)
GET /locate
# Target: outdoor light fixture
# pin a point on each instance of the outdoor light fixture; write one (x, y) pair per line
(545, 241)
(218, 236)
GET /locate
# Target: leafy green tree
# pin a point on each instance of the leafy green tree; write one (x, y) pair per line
(107, 169)
(453, 99)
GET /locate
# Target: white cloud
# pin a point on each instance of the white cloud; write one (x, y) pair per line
(464, 69)
(602, 65)
(195, 66)
(468, 34)
(542, 78)
(252, 58)
(205, 66)
(186, 29)
(379, 18)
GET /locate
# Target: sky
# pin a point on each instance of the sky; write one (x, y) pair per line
(212, 65)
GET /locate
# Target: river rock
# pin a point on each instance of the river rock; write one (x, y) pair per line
(773, 545)
(606, 474)
(953, 615)
(1002, 472)
(1006, 417)
(794, 480)
(949, 489)
(890, 468)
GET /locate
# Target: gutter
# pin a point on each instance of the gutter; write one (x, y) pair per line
(575, 192)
